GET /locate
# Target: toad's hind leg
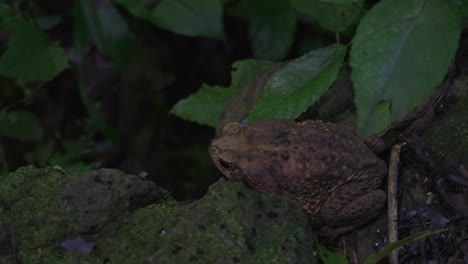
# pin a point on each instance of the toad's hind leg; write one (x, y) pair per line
(349, 207)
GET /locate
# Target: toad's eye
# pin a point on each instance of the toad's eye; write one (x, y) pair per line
(213, 150)
(225, 164)
(232, 129)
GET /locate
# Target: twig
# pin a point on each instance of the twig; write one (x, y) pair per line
(392, 200)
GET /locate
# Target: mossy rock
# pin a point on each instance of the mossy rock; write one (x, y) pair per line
(107, 216)
(41, 208)
(448, 136)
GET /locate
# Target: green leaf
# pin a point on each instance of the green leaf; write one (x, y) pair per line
(248, 9)
(462, 6)
(272, 37)
(5, 11)
(97, 120)
(272, 25)
(330, 257)
(49, 22)
(296, 86)
(376, 257)
(378, 119)
(23, 126)
(102, 23)
(335, 16)
(401, 51)
(244, 70)
(185, 17)
(74, 151)
(30, 55)
(339, 1)
(205, 106)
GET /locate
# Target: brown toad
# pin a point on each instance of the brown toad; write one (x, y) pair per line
(321, 166)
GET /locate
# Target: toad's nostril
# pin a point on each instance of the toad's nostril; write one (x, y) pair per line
(214, 150)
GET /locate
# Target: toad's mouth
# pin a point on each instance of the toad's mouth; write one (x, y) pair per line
(231, 171)
(225, 164)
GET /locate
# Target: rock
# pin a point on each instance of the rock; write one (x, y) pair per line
(121, 218)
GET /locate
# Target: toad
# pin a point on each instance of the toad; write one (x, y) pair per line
(323, 167)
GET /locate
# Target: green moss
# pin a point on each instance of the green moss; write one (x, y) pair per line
(449, 133)
(28, 198)
(230, 224)
(46, 206)
(16, 185)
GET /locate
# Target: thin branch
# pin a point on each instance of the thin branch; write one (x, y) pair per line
(392, 200)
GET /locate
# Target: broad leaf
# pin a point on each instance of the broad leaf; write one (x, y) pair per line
(340, 1)
(401, 52)
(185, 17)
(206, 106)
(462, 6)
(335, 16)
(31, 56)
(271, 28)
(272, 37)
(296, 86)
(244, 70)
(22, 126)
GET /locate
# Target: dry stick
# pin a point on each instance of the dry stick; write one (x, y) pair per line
(392, 200)
(337, 37)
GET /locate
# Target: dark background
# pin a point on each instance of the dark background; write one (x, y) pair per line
(130, 128)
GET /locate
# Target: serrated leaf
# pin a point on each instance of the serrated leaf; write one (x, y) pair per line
(296, 86)
(335, 16)
(244, 70)
(185, 17)
(376, 257)
(23, 126)
(30, 55)
(400, 53)
(205, 106)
